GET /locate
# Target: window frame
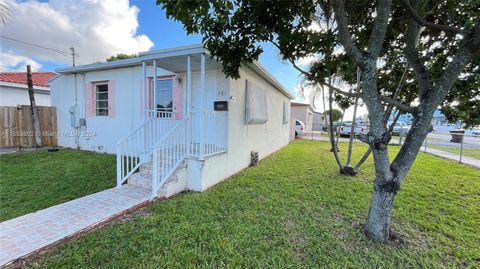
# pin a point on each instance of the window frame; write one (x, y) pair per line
(96, 93)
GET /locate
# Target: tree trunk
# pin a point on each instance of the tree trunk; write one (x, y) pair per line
(33, 106)
(377, 226)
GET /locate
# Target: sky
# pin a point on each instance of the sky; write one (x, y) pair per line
(98, 29)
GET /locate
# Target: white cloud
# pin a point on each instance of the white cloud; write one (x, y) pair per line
(97, 29)
(11, 62)
(306, 61)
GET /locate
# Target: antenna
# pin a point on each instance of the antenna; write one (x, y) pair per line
(72, 49)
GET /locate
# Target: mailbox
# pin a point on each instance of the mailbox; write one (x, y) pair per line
(220, 106)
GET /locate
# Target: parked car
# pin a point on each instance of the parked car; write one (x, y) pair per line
(346, 129)
(400, 127)
(476, 131)
(299, 128)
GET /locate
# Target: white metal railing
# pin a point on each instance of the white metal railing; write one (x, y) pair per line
(168, 153)
(164, 114)
(136, 148)
(214, 125)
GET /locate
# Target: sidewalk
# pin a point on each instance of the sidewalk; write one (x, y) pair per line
(27, 234)
(452, 156)
(440, 153)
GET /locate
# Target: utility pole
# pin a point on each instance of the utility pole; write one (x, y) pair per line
(34, 109)
(72, 49)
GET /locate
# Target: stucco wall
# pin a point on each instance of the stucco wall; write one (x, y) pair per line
(13, 96)
(266, 138)
(101, 132)
(304, 114)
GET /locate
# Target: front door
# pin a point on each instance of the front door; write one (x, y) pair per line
(163, 100)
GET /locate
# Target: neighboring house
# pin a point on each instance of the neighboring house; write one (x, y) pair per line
(319, 122)
(304, 113)
(438, 118)
(188, 129)
(14, 89)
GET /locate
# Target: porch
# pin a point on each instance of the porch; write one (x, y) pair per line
(180, 119)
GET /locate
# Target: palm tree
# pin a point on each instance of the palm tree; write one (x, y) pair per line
(4, 13)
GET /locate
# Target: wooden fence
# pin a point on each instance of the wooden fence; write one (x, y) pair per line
(17, 127)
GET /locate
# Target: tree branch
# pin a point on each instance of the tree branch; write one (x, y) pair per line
(377, 37)
(343, 34)
(398, 104)
(323, 83)
(411, 54)
(445, 28)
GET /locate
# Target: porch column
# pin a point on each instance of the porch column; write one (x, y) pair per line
(145, 91)
(154, 88)
(202, 105)
(188, 101)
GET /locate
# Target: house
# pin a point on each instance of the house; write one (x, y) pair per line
(304, 113)
(14, 89)
(188, 129)
(319, 122)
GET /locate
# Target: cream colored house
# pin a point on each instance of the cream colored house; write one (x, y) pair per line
(172, 117)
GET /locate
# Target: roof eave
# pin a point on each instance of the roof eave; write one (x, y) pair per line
(257, 67)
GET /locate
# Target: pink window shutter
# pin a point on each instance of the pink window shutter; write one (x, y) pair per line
(89, 100)
(111, 98)
(150, 94)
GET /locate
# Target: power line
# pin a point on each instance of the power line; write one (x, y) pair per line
(64, 53)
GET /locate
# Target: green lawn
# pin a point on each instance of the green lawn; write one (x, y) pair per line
(30, 181)
(294, 211)
(473, 153)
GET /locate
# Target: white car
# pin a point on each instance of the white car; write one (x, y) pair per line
(476, 131)
(346, 129)
(400, 127)
(299, 128)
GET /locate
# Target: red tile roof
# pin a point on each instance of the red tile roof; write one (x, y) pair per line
(39, 78)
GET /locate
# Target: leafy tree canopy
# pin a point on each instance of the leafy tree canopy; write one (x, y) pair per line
(120, 56)
(337, 114)
(235, 31)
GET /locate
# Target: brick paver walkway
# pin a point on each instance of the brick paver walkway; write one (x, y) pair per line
(29, 233)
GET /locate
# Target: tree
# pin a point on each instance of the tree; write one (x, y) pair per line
(34, 108)
(438, 39)
(120, 56)
(337, 114)
(4, 13)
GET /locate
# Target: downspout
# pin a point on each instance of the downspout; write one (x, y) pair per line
(77, 125)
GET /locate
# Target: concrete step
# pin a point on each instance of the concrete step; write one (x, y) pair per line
(141, 179)
(144, 179)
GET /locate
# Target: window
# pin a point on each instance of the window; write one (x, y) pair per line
(256, 105)
(101, 99)
(164, 98)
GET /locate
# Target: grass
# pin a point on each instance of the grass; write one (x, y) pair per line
(34, 180)
(473, 153)
(294, 211)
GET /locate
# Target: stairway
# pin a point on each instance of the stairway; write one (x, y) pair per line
(174, 184)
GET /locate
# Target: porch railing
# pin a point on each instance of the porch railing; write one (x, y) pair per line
(164, 114)
(168, 153)
(214, 139)
(136, 148)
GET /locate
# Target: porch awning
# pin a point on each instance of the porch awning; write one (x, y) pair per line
(173, 60)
